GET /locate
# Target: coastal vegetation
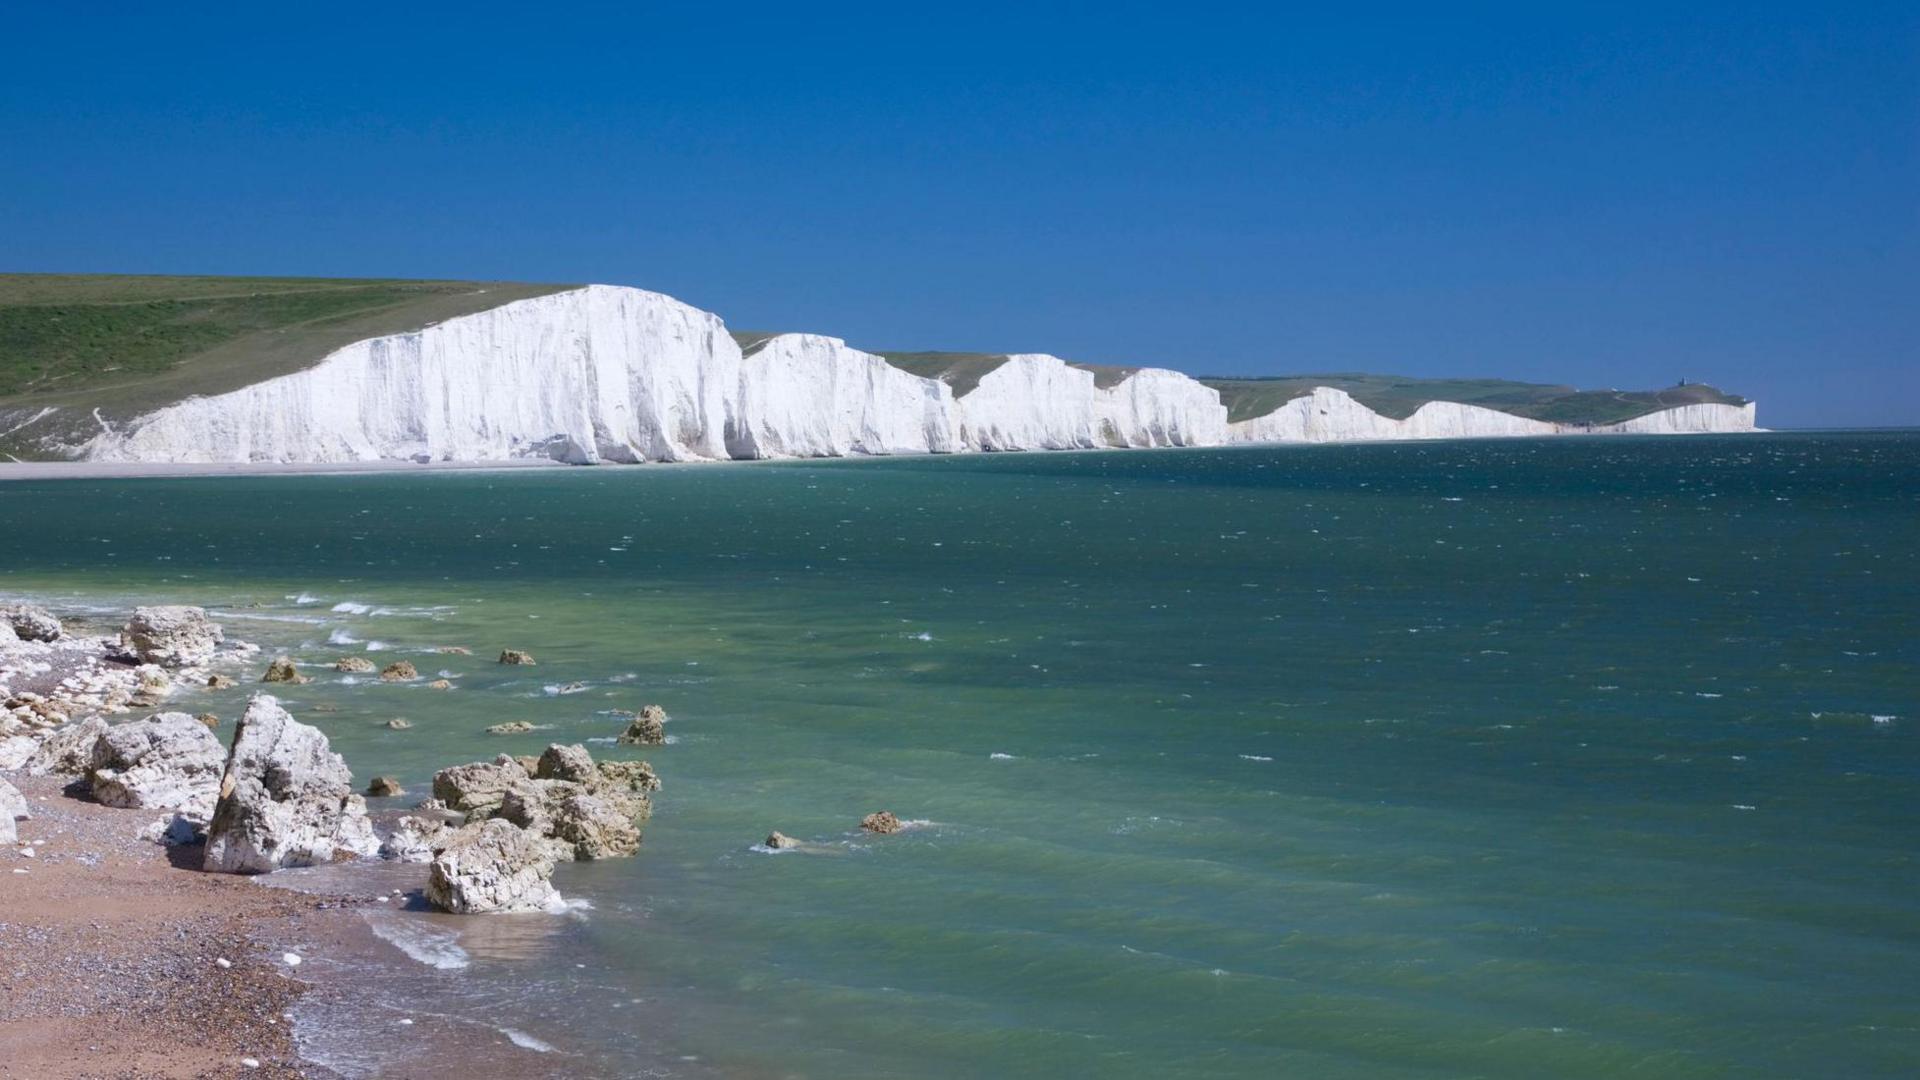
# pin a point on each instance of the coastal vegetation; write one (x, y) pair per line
(133, 342)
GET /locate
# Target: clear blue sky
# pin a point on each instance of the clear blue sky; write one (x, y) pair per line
(1603, 196)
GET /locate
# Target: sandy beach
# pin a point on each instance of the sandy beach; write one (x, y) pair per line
(113, 952)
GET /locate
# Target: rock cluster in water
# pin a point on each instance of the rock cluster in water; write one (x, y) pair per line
(279, 796)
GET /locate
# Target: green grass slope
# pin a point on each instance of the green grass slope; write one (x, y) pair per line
(139, 342)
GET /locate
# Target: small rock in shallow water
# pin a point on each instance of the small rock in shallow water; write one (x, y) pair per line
(353, 664)
(208, 719)
(385, 787)
(649, 728)
(455, 650)
(399, 723)
(399, 671)
(881, 821)
(515, 656)
(511, 727)
(440, 684)
(220, 682)
(282, 670)
(780, 841)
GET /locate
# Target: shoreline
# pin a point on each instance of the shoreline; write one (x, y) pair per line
(128, 956)
(133, 470)
(114, 952)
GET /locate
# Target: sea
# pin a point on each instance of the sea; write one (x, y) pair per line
(1578, 757)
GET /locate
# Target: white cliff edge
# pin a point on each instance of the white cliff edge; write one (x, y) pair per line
(612, 374)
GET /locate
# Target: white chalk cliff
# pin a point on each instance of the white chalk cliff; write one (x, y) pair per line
(611, 374)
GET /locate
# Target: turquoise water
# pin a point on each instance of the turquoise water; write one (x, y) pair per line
(1571, 758)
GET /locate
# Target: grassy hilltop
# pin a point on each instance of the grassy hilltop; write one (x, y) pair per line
(139, 342)
(125, 344)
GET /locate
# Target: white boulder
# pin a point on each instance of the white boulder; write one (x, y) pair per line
(174, 635)
(415, 838)
(30, 623)
(168, 761)
(286, 800)
(67, 750)
(13, 805)
(15, 750)
(492, 866)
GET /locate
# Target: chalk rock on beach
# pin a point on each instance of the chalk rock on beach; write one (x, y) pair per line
(13, 805)
(492, 866)
(15, 750)
(286, 800)
(68, 751)
(173, 635)
(478, 789)
(29, 623)
(168, 761)
(415, 839)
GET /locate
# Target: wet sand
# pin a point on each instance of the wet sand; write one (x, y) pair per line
(111, 947)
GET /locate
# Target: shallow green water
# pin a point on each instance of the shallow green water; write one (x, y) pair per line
(1560, 758)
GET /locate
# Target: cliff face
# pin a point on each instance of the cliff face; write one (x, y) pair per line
(1329, 415)
(593, 374)
(803, 395)
(605, 373)
(1685, 420)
